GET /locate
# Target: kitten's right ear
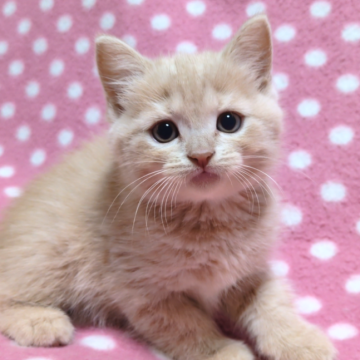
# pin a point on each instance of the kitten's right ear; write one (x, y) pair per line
(118, 65)
(252, 47)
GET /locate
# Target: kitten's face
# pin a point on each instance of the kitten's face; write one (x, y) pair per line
(196, 127)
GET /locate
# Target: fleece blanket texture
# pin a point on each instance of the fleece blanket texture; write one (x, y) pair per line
(51, 99)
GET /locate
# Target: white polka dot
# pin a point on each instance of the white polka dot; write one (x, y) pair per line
(353, 284)
(315, 58)
(341, 135)
(98, 342)
(342, 331)
(299, 159)
(160, 22)
(95, 71)
(24, 26)
(1, 150)
(38, 157)
(48, 112)
(64, 23)
(255, 8)
(32, 89)
(135, 2)
(56, 67)
(46, 5)
(9, 8)
(23, 133)
(82, 45)
(307, 305)
(186, 47)
(195, 8)
(3, 47)
(323, 250)
(347, 83)
(40, 46)
(107, 21)
(309, 108)
(320, 9)
(130, 40)
(92, 115)
(12, 191)
(6, 171)
(358, 227)
(7, 110)
(88, 4)
(74, 90)
(280, 81)
(16, 67)
(351, 32)
(65, 137)
(285, 33)
(279, 268)
(221, 32)
(333, 192)
(291, 215)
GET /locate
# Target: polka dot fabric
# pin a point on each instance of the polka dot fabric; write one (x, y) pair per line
(51, 99)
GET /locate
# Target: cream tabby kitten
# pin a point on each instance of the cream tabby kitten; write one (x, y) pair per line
(169, 222)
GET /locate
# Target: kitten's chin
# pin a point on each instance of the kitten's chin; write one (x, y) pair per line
(206, 186)
(204, 179)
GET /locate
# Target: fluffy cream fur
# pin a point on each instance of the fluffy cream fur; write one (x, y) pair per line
(119, 231)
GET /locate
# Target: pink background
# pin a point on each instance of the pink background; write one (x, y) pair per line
(316, 69)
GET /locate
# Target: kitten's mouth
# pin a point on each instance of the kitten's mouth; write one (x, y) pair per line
(204, 178)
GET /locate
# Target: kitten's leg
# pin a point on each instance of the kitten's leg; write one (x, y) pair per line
(182, 330)
(266, 312)
(31, 325)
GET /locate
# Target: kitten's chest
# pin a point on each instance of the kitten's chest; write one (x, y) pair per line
(202, 254)
(206, 269)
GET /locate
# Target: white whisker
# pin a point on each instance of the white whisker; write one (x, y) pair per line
(269, 190)
(163, 186)
(252, 191)
(268, 176)
(140, 201)
(166, 196)
(149, 176)
(116, 197)
(147, 212)
(251, 175)
(172, 198)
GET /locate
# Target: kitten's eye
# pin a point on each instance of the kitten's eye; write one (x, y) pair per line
(165, 131)
(229, 122)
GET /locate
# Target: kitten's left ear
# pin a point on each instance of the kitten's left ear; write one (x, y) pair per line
(252, 47)
(118, 65)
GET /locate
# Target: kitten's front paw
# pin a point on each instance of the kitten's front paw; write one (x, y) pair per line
(309, 344)
(37, 326)
(234, 350)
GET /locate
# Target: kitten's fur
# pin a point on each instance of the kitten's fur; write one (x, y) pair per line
(84, 241)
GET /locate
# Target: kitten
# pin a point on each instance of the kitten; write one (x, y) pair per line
(170, 221)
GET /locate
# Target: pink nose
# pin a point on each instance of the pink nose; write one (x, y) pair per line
(201, 159)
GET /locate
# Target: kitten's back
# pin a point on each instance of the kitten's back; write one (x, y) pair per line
(37, 230)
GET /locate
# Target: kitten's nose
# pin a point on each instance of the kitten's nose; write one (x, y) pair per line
(201, 159)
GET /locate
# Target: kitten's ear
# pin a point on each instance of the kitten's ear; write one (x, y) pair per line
(252, 47)
(118, 65)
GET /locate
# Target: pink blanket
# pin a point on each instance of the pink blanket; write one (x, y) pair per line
(51, 99)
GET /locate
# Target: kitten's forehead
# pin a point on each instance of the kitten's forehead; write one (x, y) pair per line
(187, 84)
(182, 65)
(196, 86)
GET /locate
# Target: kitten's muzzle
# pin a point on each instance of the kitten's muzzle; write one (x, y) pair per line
(204, 178)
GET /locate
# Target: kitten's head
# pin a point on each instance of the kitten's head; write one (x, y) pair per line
(204, 126)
